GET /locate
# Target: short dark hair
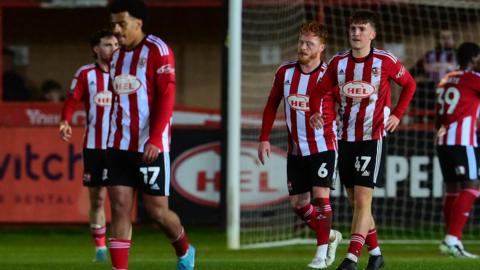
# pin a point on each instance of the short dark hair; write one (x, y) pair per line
(97, 36)
(466, 51)
(49, 85)
(135, 8)
(364, 16)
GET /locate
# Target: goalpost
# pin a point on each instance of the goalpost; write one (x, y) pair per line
(409, 206)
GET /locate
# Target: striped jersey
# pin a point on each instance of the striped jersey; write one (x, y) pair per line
(457, 108)
(364, 92)
(294, 87)
(91, 84)
(143, 85)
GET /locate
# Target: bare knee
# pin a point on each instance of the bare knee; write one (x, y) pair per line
(300, 200)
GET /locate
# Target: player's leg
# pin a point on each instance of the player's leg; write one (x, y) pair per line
(97, 221)
(121, 202)
(368, 169)
(93, 178)
(154, 182)
(452, 187)
(321, 202)
(463, 204)
(121, 182)
(346, 170)
(321, 170)
(299, 188)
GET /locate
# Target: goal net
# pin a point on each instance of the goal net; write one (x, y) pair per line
(409, 207)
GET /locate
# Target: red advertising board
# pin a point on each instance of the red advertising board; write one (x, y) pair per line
(40, 176)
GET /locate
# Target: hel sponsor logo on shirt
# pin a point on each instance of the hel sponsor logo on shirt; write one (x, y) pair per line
(103, 98)
(125, 84)
(166, 69)
(299, 102)
(357, 89)
(196, 176)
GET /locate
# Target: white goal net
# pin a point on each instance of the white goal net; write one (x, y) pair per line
(409, 207)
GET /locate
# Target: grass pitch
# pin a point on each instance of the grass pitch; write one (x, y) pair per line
(71, 248)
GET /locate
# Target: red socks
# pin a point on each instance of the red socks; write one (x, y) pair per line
(308, 214)
(448, 201)
(119, 253)
(372, 240)
(461, 210)
(181, 244)
(356, 243)
(323, 220)
(98, 235)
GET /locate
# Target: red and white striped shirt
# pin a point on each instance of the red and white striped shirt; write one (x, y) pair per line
(91, 84)
(144, 95)
(458, 103)
(363, 88)
(294, 87)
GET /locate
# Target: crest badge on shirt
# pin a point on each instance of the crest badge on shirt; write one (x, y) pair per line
(142, 62)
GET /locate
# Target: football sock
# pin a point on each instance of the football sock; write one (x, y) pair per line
(448, 201)
(119, 253)
(461, 210)
(372, 243)
(98, 235)
(308, 214)
(180, 244)
(355, 248)
(324, 220)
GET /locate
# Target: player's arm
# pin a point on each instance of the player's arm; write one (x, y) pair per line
(269, 114)
(163, 102)
(324, 86)
(403, 78)
(75, 94)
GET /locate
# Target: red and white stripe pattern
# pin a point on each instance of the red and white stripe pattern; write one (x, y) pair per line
(365, 118)
(360, 116)
(458, 105)
(294, 87)
(133, 116)
(91, 84)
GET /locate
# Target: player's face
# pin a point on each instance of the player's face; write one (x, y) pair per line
(126, 28)
(446, 39)
(361, 35)
(310, 48)
(106, 47)
(476, 63)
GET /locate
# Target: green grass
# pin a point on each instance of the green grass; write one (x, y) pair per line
(71, 248)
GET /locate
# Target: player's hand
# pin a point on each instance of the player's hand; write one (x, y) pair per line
(65, 131)
(150, 153)
(263, 151)
(441, 131)
(316, 121)
(392, 123)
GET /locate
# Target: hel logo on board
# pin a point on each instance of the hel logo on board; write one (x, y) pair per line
(196, 176)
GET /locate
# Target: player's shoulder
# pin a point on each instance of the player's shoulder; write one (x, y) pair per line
(286, 65)
(158, 45)
(84, 69)
(385, 55)
(472, 76)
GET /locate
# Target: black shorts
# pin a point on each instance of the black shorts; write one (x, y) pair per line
(361, 163)
(458, 162)
(94, 167)
(316, 170)
(127, 169)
